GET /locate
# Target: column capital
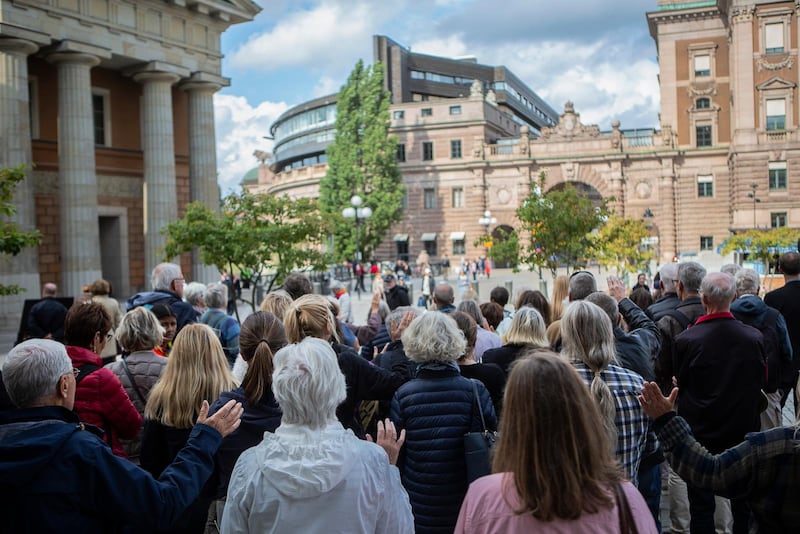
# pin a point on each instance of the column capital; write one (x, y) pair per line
(204, 82)
(76, 52)
(11, 45)
(156, 71)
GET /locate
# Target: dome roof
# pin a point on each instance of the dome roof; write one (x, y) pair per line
(251, 176)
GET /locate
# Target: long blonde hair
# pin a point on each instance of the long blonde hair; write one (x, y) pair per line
(197, 370)
(560, 292)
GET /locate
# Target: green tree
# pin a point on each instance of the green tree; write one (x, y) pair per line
(362, 160)
(559, 223)
(260, 233)
(13, 239)
(505, 247)
(762, 244)
(618, 245)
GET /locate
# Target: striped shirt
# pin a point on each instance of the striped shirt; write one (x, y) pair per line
(631, 421)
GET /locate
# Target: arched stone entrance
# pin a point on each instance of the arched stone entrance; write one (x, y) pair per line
(583, 189)
(499, 235)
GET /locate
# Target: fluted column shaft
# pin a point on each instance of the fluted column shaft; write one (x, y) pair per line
(202, 161)
(15, 149)
(80, 231)
(158, 144)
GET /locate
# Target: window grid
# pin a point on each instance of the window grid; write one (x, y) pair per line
(777, 175)
(429, 198)
(455, 110)
(458, 197)
(702, 66)
(703, 103)
(426, 112)
(455, 148)
(401, 152)
(706, 242)
(459, 246)
(399, 114)
(430, 248)
(99, 118)
(427, 150)
(778, 219)
(703, 135)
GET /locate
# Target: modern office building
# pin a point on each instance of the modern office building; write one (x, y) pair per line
(723, 159)
(109, 105)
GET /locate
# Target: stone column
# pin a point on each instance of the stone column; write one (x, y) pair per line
(743, 126)
(158, 144)
(15, 148)
(80, 231)
(203, 185)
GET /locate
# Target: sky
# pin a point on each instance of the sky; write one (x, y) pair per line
(597, 54)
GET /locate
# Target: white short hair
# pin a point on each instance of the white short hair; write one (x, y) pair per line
(163, 275)
(192, 292)
(434, 336)
(32, 370)
(308, 383)
(217, 295)
(748, 282)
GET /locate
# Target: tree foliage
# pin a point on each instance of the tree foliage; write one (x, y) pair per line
(13, 239)
(362, 160)
(762, 244)
(504, 249)
(559, 223)
(618, 245)
(258, 233)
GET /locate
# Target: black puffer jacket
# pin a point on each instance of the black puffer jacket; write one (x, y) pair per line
(436, 409)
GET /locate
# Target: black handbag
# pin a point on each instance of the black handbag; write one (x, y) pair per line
(478, 445)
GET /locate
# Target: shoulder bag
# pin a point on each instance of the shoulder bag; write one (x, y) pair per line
(478, 445)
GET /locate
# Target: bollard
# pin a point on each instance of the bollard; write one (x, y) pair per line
(316, 288)
(509, 287)
(259, 292)
(476, 286)
(543, 286)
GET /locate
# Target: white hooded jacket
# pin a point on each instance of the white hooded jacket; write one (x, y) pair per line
(316, 481)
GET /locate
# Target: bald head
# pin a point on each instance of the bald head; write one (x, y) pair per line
(49, 290)
(581, 285)
(443, 294)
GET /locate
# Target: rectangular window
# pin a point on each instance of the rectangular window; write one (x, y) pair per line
(776, 114)
(417, 75)
(703, 134)
(402, 250)
(427, 150)
(100, 117)
(455, 110)
(778, 219)
(777, 175)
(773, 38)
(705, 186)
(703, 103)
(398, 114)
(459, 246)
(455, 148)
(33, 106)
(401, 152)
(706, 242)
(429, 198)
(430, 248)
(458, 197)
(426, 112)
(702, 65)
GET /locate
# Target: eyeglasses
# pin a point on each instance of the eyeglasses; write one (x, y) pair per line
(109, 336)
(75, 372)
(181, 280)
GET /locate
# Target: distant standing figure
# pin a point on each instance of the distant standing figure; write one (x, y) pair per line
(641, 281)
(234, 290)
(46, 318)
(224, 326)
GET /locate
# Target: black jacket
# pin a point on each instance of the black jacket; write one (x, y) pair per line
(786, 300)
(719, 364)
(504, 356)
(637, 349)
(667, 301)
(365, 381)
(47, 318)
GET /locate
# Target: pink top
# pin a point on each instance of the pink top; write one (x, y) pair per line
(486, 511)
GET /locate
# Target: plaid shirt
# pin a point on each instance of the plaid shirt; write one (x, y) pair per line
(631, 421)
(764, 469)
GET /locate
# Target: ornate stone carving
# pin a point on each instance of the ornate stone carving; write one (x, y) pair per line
(476, 89)
(491, 97)
(570, 126)
(787, 63)
(643, 189)
(503, 196)
(570, 171)
(708, 90)
(742, 13)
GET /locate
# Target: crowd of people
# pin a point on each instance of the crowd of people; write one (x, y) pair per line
(174, 417)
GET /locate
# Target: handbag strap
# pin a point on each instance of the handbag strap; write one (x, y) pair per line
(478, 404)
(133, 382)
(626, 523)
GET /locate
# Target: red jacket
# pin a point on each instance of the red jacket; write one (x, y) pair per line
(100, 400)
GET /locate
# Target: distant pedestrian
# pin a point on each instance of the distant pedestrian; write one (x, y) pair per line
(46, 318)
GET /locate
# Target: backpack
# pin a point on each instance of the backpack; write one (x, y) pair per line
(215, 326)
(679, 316)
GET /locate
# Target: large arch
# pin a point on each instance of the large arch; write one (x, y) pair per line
(584, 189)
(499, 235)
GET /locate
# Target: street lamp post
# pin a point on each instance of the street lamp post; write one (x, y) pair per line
(355, 211)
(756, 200)
(486, 221)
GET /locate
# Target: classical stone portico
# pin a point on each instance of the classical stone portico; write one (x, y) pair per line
(109, 104)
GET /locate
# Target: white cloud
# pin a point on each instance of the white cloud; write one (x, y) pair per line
(451, 46)
(326, 86)
(326, 37)
(240, 129)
